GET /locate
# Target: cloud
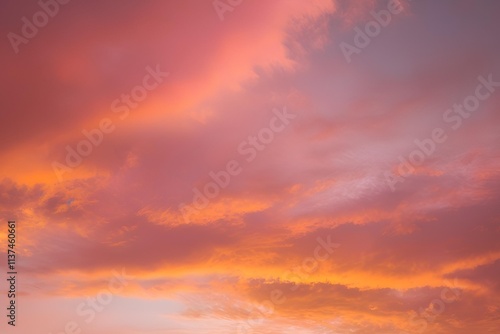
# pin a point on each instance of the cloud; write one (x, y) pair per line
(322, 176)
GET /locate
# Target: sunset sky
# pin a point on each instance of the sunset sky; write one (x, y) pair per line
(251, 166)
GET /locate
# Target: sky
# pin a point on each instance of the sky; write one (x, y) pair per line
(246, 166)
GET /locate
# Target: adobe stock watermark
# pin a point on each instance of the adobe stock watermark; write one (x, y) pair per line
(92, 305)
(372, 29)
(419, 321)
(309, 266)
(249, 149)
(223, 6)
(120, 106)
(454, 118)
(30, 27)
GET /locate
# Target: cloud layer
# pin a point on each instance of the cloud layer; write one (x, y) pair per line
(419, 254)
